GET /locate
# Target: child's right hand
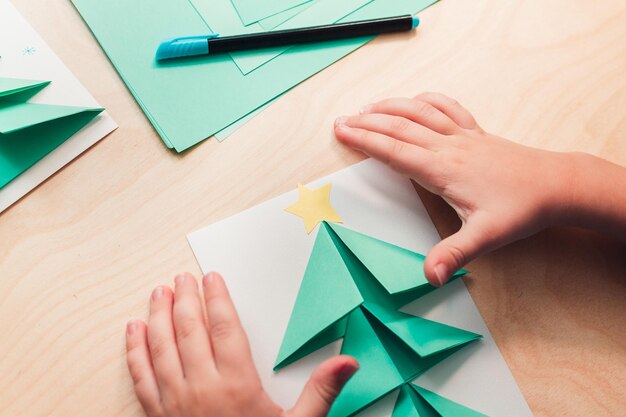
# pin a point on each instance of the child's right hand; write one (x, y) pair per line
(502, 191)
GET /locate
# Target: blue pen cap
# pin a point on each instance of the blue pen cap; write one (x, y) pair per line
(185, 46)
(416, 21)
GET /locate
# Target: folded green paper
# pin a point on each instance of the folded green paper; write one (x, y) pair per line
(392, 348)
(415, 401)
(347, 269)
(30, 131)
(363, 281)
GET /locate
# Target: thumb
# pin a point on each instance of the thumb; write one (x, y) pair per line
(323, 387)
(452, 253)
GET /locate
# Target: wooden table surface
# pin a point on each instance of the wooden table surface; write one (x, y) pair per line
(80, 255)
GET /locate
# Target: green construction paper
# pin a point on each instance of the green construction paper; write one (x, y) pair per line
(28, 131)
(439, 406)
(251, 11)
(230, 129)
(325, 278)
(424, 337)
(334, 273)
(271, 22)
(191, 99)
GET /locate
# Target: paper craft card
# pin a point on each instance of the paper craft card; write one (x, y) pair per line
(189, 100)
(263, 253)
(53, 112)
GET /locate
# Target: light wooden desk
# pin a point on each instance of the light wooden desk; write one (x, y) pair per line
(80, 255)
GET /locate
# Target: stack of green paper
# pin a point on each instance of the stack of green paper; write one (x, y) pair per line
(191, 99)
(29, 131)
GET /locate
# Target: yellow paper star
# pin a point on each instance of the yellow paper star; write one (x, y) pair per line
(314, 207)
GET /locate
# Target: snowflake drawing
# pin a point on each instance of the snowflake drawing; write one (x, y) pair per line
(29, 50)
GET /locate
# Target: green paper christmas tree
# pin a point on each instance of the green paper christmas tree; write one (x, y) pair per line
(352, 288)
(30, 131)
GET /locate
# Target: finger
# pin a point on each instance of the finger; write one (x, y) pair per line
(191, 333)
(414, 161)
(228, 339)
(451, 254)
(451, 108)
(140, 367)
(417, 111)
(324, 386)
(161, 339)
(398, 128)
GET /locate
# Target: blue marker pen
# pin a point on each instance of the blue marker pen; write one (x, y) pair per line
(214, 44)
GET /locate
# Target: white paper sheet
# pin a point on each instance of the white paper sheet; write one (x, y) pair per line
(262, 254)
(23, 54)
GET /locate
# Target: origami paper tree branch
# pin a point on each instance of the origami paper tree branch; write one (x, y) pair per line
(362, 282)
(415, 401)
(30, 131)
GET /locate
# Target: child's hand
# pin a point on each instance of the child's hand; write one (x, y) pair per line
(502, 191)
(188, 364)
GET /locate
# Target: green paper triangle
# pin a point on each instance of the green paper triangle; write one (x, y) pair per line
(425, 337)
(333, 332)
(17, 89)
(18, 116)
(410, 404)
(443, 406)
(407, 362)
(377, 374)
(22, 149)
(327, 294)
(369, 287)
(396, 268)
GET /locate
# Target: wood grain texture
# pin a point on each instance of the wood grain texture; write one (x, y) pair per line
(80, 254)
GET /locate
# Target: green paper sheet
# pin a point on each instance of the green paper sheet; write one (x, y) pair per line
(271, 22)
(415, 401)
(251, 11)
(28, 132)
(192, 99)
(345, 270)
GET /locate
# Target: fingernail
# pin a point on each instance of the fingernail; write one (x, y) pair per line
(366, 109)
(346, 372)
(157, 293)
(208, 279)
(131, 327)
(341, 122)
(441, 273)
(180, 278)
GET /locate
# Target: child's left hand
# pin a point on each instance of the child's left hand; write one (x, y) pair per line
(188, 364)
